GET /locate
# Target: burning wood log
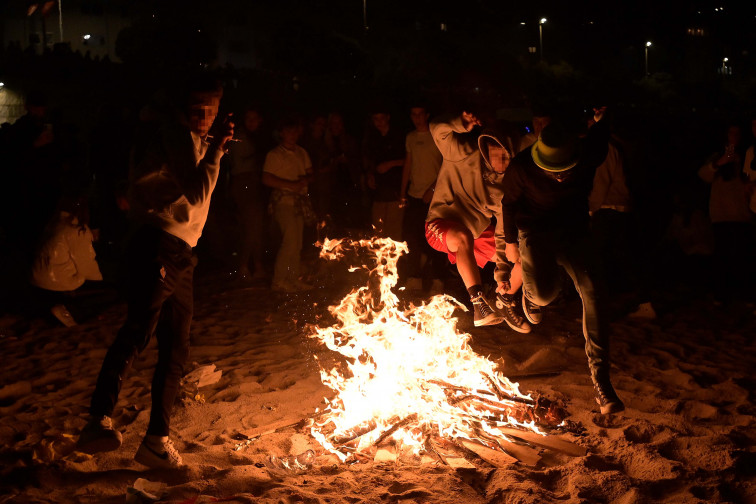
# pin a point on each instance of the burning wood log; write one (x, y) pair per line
(401, 423)
(505, 396)
(493, 457)
(499, 394)
(416, 360)
(355, 432)
(550, 442)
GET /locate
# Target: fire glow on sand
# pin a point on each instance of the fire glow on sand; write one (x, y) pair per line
(410, 380)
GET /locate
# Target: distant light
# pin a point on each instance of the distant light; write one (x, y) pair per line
(523, 23)
(726, 60)
(543, 20)
(648, 44)
(2, 85)
(87, 36)
(443, 26)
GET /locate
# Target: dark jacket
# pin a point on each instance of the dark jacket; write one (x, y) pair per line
(532, 201)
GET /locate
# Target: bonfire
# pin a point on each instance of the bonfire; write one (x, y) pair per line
(409, 380)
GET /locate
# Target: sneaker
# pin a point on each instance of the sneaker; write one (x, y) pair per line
(606, 397)
(505, 303)
(99, 436)
(61, 313)
(531, 310)
(483, 312)
(158, 452)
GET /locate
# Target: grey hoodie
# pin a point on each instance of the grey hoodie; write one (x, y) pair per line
(468, 191)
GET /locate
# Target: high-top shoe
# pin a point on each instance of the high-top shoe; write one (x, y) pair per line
(158, 452)
(606, 397)
(99, 436)
(505, 304)
(483, 313)
(531, 310)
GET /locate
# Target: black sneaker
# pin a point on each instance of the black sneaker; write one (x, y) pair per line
(99, 436)
(483, 312)
(606, 397)
(531, 310)
(505, 303)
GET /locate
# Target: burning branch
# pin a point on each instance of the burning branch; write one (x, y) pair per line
(410, 375)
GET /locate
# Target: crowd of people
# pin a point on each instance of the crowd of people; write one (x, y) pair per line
(472, 194)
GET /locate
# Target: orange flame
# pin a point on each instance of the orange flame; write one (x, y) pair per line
(401, 365)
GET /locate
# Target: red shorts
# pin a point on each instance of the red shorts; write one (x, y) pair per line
(484, 248)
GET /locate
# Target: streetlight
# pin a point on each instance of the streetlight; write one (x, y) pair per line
(540, 35)
(648, 44)
(724, 65)
(364, 15)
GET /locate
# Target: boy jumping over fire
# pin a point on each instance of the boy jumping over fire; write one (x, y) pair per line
(467, 195)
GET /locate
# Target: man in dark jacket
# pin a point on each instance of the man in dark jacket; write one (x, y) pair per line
(546, 225)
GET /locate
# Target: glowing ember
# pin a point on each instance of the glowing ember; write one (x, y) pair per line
(410, 376)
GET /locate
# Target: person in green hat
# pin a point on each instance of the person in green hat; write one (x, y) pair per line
(546, 226)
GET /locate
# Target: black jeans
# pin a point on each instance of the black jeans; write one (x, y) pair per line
(160, 301)
(542, 254)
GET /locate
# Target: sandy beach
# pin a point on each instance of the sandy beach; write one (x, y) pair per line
(687, 435)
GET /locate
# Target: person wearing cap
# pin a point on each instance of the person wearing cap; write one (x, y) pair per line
(465, 199)
(546, 225)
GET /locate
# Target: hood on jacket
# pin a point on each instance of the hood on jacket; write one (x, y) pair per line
(493, 137)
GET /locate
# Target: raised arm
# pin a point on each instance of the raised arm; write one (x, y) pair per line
(446, 133)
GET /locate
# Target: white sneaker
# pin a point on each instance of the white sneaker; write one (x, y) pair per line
(158, 452)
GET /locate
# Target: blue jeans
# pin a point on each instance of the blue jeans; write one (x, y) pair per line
(542, 254)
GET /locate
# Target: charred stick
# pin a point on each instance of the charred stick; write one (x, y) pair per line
(497, 391)
(428, 444)
(296, 425)
(401, 423)
(355, 432)
(488, 402)
(502, 395)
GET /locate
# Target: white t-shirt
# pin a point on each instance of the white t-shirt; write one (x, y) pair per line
(288, 164)
(426, 162)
